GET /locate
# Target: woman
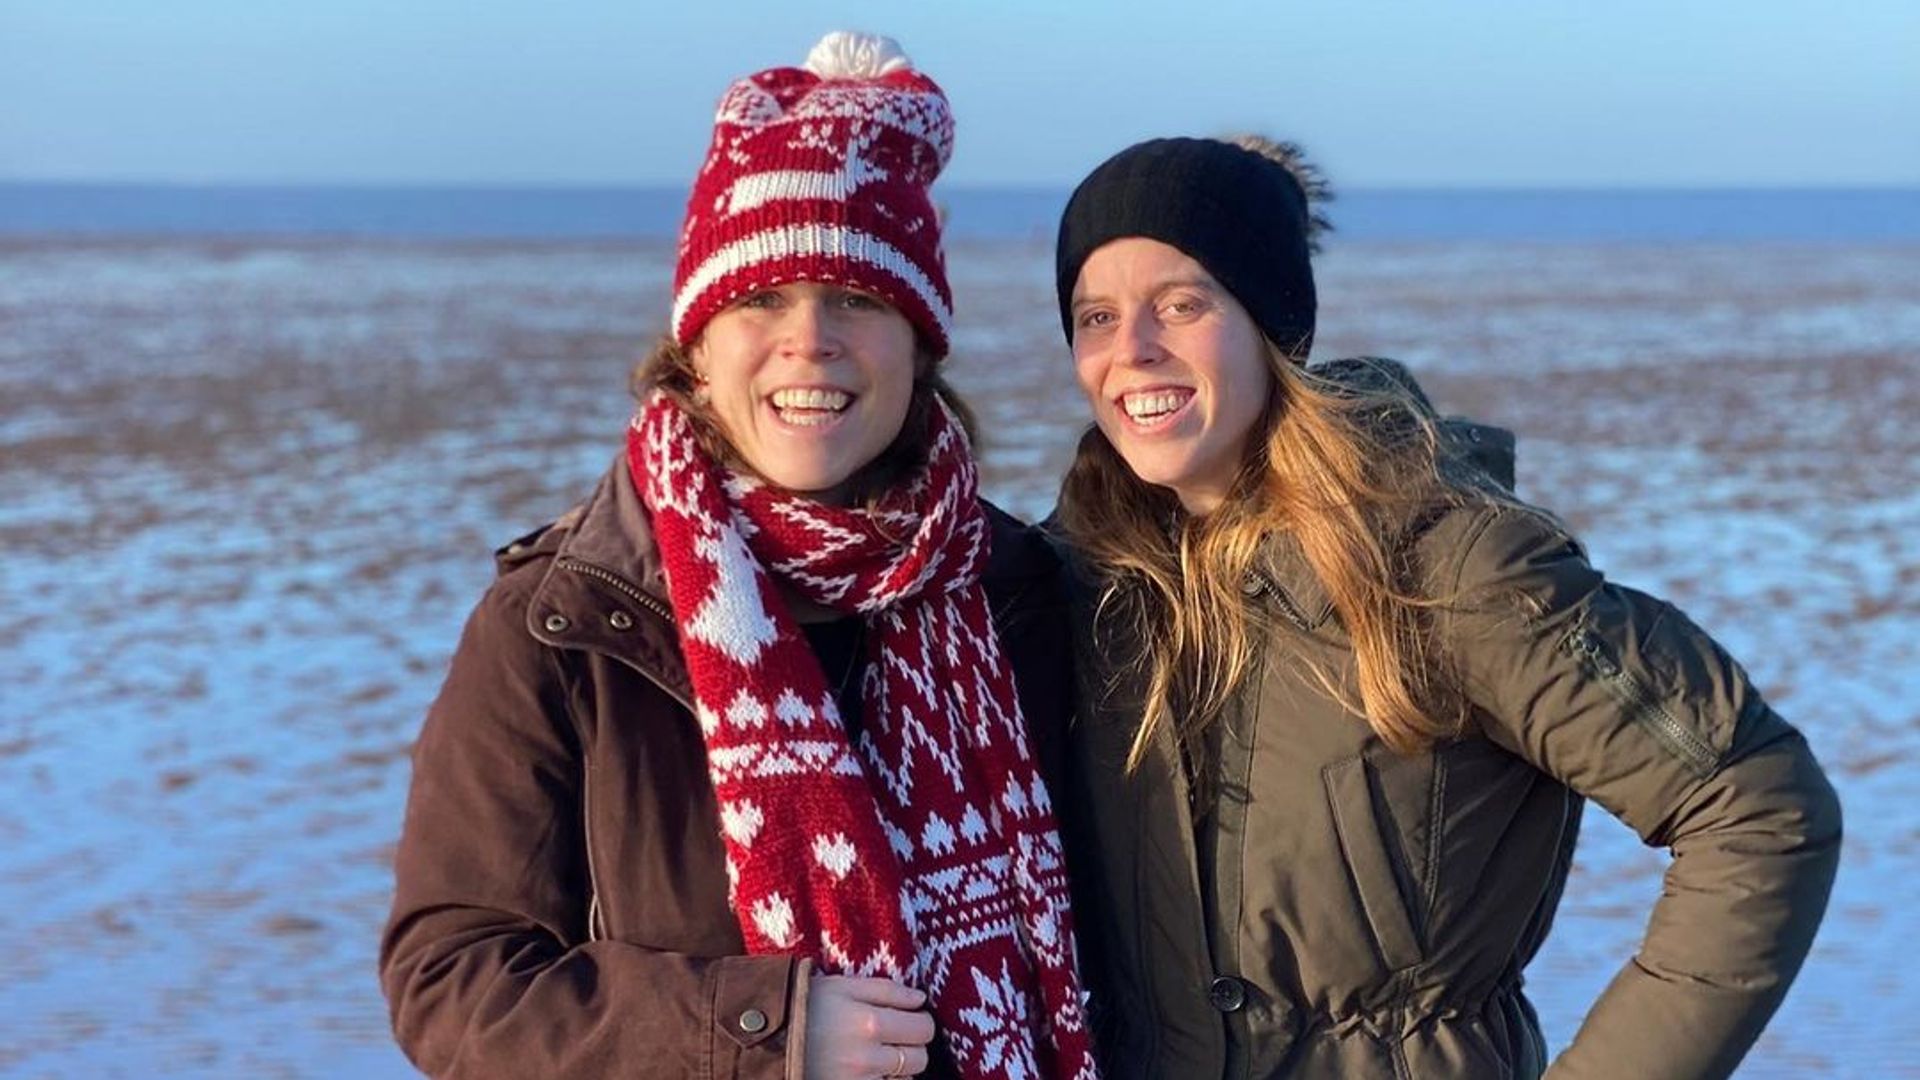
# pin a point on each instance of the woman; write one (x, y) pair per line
(730, 775)
(1344, 695)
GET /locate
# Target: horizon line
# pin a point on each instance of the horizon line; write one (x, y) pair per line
(997, 187)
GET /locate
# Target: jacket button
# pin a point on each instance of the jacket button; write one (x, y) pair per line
(557, 624)
(620, 620)
(1227, 994)
(753, 1021)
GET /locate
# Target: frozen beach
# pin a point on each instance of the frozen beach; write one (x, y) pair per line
(251, 489)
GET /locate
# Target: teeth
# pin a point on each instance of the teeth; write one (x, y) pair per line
(814, 398)
(1147, 405)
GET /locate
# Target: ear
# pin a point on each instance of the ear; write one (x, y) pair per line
(696, 355)
(696, 366)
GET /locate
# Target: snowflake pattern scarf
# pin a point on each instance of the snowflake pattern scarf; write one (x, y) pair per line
(926, 850)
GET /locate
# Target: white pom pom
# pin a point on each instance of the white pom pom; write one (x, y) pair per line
(847, 54)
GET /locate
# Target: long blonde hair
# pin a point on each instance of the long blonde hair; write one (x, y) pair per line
(1347, 468)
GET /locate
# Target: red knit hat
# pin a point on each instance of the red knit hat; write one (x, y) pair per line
(820, 173)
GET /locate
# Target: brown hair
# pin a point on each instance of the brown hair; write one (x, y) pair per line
(1347, 468)
(669, 369)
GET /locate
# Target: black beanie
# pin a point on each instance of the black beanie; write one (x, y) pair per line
(1236, 212)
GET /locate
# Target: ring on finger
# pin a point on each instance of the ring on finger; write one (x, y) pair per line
(900, 1061)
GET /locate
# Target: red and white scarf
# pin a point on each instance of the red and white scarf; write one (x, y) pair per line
(925, 852)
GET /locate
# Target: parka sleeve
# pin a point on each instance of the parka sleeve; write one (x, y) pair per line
(1619, 696)
(484, 959)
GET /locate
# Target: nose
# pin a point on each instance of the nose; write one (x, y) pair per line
(1139, 341)
(808, 331)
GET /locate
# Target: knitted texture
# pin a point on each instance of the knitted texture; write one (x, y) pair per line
(822, 178)
(1244, 216)
(925, 851)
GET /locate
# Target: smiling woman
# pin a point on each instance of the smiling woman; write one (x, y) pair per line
(819, 388)
(736, 770)
(1174, 368)
(1343, 693)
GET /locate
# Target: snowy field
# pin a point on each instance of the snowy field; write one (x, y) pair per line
(248, 491)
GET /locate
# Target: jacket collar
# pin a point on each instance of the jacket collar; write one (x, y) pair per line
(605, 591)
(1281, 571)
(611, 530)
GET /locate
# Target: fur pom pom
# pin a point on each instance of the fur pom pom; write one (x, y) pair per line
(1313, 183)
(847, 54)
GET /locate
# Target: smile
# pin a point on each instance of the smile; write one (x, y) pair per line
(1157, 406)
(809, 406)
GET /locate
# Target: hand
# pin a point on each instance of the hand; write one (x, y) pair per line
(860, 1029)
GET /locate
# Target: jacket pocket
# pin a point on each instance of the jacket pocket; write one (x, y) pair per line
(1350, 794)
(1635, 691)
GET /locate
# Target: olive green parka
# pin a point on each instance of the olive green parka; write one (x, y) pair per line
(1336, 909)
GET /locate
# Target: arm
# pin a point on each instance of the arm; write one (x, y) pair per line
(1624, 700)
(484, 960)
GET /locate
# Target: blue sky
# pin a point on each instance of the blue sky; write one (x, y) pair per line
(1466, 93)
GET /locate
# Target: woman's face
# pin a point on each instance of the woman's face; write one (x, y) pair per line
(1174, 367)
(809, 382)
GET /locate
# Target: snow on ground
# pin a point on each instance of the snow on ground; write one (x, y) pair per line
(250, 491)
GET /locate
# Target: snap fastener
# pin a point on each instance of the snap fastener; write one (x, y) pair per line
(1227, 994)
(620, 620)
(753, 1021)
(1252, 585)
(557, 624)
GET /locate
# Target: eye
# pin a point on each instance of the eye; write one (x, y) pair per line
(1094, 319)
(854, 300)
(765, 299)
(1184, 305)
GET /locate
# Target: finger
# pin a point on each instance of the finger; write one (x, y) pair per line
(883, 992)
(903, 1028)
(907, 1061)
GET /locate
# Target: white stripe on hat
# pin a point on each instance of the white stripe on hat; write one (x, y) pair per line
(810, 240)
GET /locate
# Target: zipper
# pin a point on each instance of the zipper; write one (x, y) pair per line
(596, 914)
(627, 589)
(596, 919)
(1287, 607)
(1592, 651)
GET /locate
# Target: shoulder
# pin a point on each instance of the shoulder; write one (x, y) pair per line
(498, 634)
(538, 546)
(1488, 542)
(1489, 565)
(1076, 569)
(1022, 578)
(499, 620)
(1021, 552)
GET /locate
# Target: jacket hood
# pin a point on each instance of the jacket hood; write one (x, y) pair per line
(1485, 447)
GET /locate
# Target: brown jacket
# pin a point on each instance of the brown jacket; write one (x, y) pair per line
(561, 892)
(1338, 910)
